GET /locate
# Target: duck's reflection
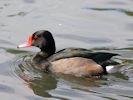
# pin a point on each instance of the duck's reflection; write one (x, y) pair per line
(42, 86)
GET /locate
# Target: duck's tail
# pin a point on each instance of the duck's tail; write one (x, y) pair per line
(108, 66)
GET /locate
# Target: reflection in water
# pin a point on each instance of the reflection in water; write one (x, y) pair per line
(43, 85)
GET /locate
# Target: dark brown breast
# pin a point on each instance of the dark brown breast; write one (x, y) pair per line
(77, 66)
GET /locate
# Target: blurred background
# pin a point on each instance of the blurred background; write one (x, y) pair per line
(98, 25)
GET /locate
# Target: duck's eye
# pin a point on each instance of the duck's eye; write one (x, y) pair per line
(36, 36)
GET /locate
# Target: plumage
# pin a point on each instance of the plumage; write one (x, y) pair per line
(77, 66)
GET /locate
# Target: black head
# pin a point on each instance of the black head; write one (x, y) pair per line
(42, 39)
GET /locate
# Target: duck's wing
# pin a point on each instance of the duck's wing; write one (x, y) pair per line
(98, 57)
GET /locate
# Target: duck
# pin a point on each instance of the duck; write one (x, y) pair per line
(78, 62)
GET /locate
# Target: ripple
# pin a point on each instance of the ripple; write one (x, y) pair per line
(18, 14)
(14, 51)
(127, 12)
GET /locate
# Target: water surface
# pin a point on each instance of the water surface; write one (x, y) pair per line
(96, 25)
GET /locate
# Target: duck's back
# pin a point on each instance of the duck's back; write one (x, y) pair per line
(98, 57)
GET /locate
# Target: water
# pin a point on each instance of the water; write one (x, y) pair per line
(105, 25)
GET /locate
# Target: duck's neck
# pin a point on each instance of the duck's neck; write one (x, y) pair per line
(40, 61)
(39, 57)
(43, 54)
(48, 50)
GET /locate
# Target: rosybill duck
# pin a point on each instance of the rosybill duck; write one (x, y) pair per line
(74, 61)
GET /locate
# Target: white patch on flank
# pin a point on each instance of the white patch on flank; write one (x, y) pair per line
(109, 68)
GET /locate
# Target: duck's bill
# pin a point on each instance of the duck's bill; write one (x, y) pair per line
(26, 44)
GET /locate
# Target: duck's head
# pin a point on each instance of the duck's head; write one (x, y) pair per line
(42, 39)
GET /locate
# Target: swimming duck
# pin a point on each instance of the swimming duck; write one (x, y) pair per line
(74, 61)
